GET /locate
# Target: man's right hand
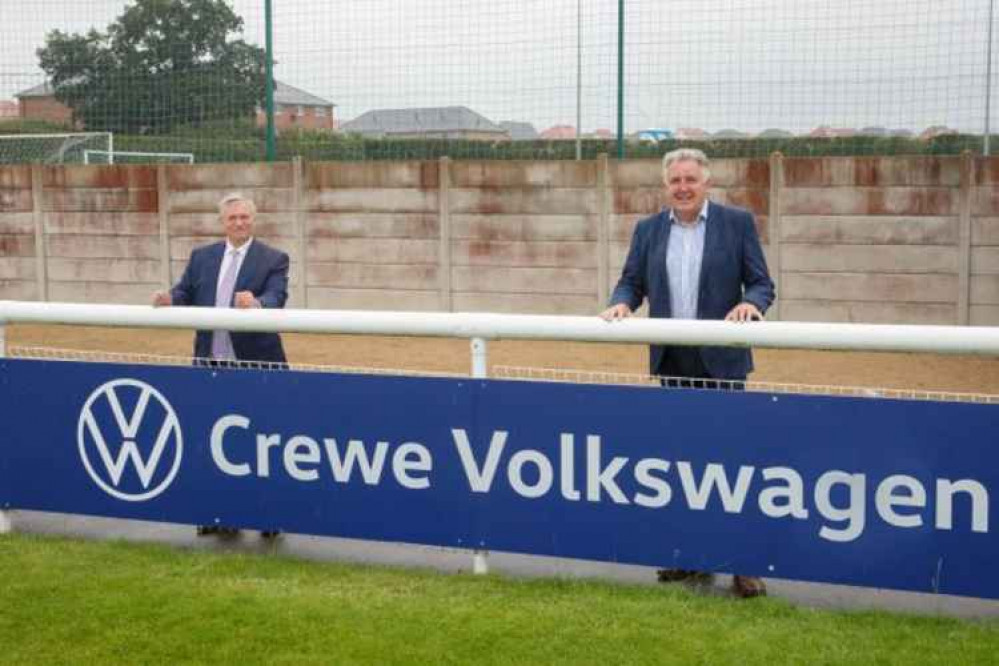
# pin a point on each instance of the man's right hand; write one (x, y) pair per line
(615, 312)
(162, 299)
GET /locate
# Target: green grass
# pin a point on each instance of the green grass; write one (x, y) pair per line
(83, 602)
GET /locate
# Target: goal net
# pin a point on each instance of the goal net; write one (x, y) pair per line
(68, 148)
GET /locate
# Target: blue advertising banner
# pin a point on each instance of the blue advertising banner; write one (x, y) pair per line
(863, 491)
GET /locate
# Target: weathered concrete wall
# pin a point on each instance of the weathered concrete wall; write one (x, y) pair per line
(907, 239)
(871, 239)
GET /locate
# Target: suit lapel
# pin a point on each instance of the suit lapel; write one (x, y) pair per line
(660, 243)
(712, 239)
(216, 253)
(246, 269)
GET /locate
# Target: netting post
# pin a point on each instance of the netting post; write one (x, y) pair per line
(480, 558)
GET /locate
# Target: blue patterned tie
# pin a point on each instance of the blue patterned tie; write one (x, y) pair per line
(221, 342)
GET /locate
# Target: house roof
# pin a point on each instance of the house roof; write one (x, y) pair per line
(519, 131)
(283, 94)
(559, 132)
(41, 90)
(425, 120)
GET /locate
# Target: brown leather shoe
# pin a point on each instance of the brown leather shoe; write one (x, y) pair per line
(747, 587)
(683, 576)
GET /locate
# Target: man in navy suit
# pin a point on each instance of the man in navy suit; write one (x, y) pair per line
(239, 272)
(258, 278)
(696, 260)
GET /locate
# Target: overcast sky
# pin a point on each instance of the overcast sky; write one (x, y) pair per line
(713, 64)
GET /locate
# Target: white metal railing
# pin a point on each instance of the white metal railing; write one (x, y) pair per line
(489, 326)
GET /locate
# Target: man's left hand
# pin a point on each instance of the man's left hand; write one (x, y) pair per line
(744, 312)
(245, 299)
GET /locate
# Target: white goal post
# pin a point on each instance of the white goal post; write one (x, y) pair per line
(134, 157)
(53, 148)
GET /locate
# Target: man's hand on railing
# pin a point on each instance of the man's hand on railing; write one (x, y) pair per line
(162, 299)
(615, 312)
(743, 312)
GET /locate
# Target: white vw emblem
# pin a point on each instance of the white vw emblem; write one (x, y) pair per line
(139, 442)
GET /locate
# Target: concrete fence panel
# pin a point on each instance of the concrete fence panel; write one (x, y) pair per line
(863, 239)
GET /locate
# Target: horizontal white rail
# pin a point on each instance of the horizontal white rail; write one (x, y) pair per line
(801, 335)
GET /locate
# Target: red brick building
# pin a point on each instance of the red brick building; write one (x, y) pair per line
(39, 103)
(296, 109)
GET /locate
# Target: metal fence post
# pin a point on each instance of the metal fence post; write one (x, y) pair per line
(480, 558)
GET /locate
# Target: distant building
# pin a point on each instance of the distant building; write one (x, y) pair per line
(39, 103)
(292, 108)
(775, 133)
(691, 133)
(442, 122)
(9, 110)
(729, 134)
(296, 109)
(824, 131)
(934, 131)
(519, 131)
(603, 133)
(559, 132)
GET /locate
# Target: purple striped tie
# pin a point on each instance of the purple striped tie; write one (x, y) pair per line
(221, 342)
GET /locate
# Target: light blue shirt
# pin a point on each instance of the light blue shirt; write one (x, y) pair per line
(683, 263)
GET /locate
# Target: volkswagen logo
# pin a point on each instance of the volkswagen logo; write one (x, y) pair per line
(129, 440)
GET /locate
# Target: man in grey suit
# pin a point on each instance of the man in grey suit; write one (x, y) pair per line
(696, 259)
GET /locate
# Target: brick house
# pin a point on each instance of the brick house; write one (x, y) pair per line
(39, 103)
(296, 109)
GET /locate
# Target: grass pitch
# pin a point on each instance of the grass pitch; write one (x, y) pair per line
(66, 601)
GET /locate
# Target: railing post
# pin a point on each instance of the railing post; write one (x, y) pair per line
(479, 369)
(480, 558)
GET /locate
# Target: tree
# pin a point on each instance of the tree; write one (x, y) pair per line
(161, 64)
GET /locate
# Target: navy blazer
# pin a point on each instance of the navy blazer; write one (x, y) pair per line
(264, 273)
(733, 270)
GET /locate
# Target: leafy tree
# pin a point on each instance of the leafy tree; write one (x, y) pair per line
(161, 64)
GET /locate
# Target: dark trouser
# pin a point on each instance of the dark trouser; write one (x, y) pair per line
(683, 368)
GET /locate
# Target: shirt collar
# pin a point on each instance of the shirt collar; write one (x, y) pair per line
(242, 249)
(701, 217)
